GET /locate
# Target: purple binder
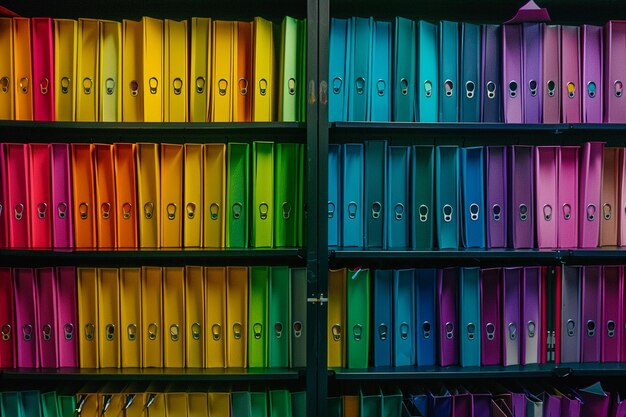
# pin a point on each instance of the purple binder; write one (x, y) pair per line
(530, 330)
(595, 401)
(496, 195)
(592, 60)
(447, 283)
(591, 320)
(512, 73)
(490, 316)
(521, 189)
(511, 278)
(532, 80)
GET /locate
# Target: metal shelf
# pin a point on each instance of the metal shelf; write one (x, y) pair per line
(597, 256)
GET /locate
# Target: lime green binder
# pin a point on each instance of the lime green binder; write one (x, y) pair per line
(357, 317)
(280, 403)
(237, 195)
(257, 311)
(279, 329)
(286, 190)
(262, 195)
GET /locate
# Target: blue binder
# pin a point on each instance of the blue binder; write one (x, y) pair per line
(404, 317)
(470, 86)
(447, 196)
(383, 313)
(492, 74)
(425, 296)
(337, 68)
(334, 195)
(418, 404)
(404, 76)
(422, 196)
(380, 78)
(375, 204)
(469, 316)
(473, 196)
(427, 73)
(352, 204)
(398, 197)
(448, 71)
(441, 404)
(359, 68)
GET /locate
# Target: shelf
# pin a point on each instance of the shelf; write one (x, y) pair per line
(599, 256)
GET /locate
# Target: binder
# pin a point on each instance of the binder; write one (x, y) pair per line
(404, 69)
(49, 404)
(546, 195)
(357, 318)
(8, 352)
(131, 330)
(31, 403)
(511, 278)
(570, 74)
(590, 194)
(550, 299)
(124, 155)
(334, 195)
(288, 184)
(591, 310)
(222, 71)
(447, 196)
(110, 71)
(351, 405)
(570, 315)
(83, 195)
(397, 215)
(336, 318)
(66, 403)
(132, 71)
(426, 328)
(242, 97)
(258, 403)
(279, 403)
(473, 197)
(10, 403)
(87, 79)
(375, 204)
(298, 316)
(175, 71)
(379, 98)
(88, 333)
(490, 316)
(67, 317)
(298, 404)
(302, 74)
(612, 306)
(469, 316)
(108, 318)
(259, 327)
(552, 56)
(236, 317)
(404, 317)
(236, 196)
(40, 195)
(152, 317)
(470, 85)
(614, 72)
(153, 63)
(200, 69)
(382, 315)
(193, 187)
(521, 207)
(4, 198)
(496, 169)
(198, 404)
(46, 307)
(531, 88)
(263, 71)
(427, 72)
(106, 223)
(608, 197)
(219, 404)
(278, 330)
(7, 97)
(43, 68)
(592, 60)
(530, 315)
(22, 69)
(172, 160)
(621, 237)
(512, 69)
(422, 196)
(594, 400)
(176, 403)
(149, 194)
(18, 192)
(447, 287)
(240, 403)
(195, 325)
(359, 68)
(371, 402)
(262, 227)
(175, 328)
(214, 187)
(491, 74)
(61, 186)
(568, 193)
(340, 30)
(215, 317)
(352, 204)
(289, 80)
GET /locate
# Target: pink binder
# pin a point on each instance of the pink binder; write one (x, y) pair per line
(18, 157)
(567, 212)
(511, 329)
(570, 74)
(612, 305)
(530, 321)
(609, 197)
(512, 73)
(615, 72)
(25, 317)
(546, 186)
(490, 352)
(40, 196)
(7, 320)
(61, 210)
(552, 74)
(67, 317)
(591, 320)
(47, 317)
(43, 68)
(521, 199)
(590, 186)
(621, 236)
(592, 49)
(4, 209)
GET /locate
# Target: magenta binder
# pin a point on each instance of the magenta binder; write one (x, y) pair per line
(512, 73)
(567, 212)
(511, 278)
(62, 226)
(595, 401)
(591, 319)
(18, 178)
(551, 74)
(25, 317)
(520, 202)
(47, 317)
(615, 72)
(490, 352)
(570, 74)
(592, 50)
(532, 79)
(67, 317)
(462, 404)
(590, 187)
(7, 320)
(4, 212)
(530, 322)
(447, 283)
(496, 196)
(621, 233)
(546, 195)
(612, 304)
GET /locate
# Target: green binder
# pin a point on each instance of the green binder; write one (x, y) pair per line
(392, 402)
(357, 317)
(298, 404)
(371, 402)
(280, 403)
(10, 404)
(258, 404)
(279, 304)
(287, 182)
(301, 220)
(288, 89)
(257, 313)
(30, 403)
(66, 405)
(237, 196)
(262, 195)
(335, 407)
(49, 404)
(298, 328)
(240, 404)
(302, 25)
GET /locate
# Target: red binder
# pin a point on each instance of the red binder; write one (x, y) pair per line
(26, 317)
(61, 209)
(43, 68)
(7, 320)
(40, 196)
(18, 157)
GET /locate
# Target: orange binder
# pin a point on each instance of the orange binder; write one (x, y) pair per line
(242, 94)
(126, 194)
(83, 195)
(6, 69)
(105, 197)
(22, 69)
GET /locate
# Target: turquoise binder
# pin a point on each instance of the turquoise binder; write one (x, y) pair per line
(339, 50)
(404, 52)
(469, 87)
(379, 99)
(447, 196)
(448, 71)
(427, 73)
(422, 196)
(359, 68)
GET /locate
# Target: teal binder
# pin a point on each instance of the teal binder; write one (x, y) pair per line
(427, 73)
(448, 71)
(469, 87)
(359, 68)
(404, 52)
(447, 196)
(375, 205)
(422, 196)
(358, 318)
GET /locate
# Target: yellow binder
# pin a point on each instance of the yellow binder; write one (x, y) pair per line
(87, 71)
(215, 317)
(336, 317)
(6, 69)
(65, 49)
(263, 79)
(108, 318)
(153, 69)
(132, 71)
(200, 82)
(110, 401)
(110, 75)
(242, 94)
(176, 70)
(176, 404)
(174, 316)
(152, 316)
(193, 204)
(219, 404)
(87, 291)
(237, 316)
(222, 73)
(155, 405)
(197, 404)
(214, 194)
(171, 196)
(87, 400)
(134, 400)
(148, 192)
(194, 317)
(130, 317)
(22, 69)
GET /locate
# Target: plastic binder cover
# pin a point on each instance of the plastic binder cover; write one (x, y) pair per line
(357, 318)
(87, 91)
